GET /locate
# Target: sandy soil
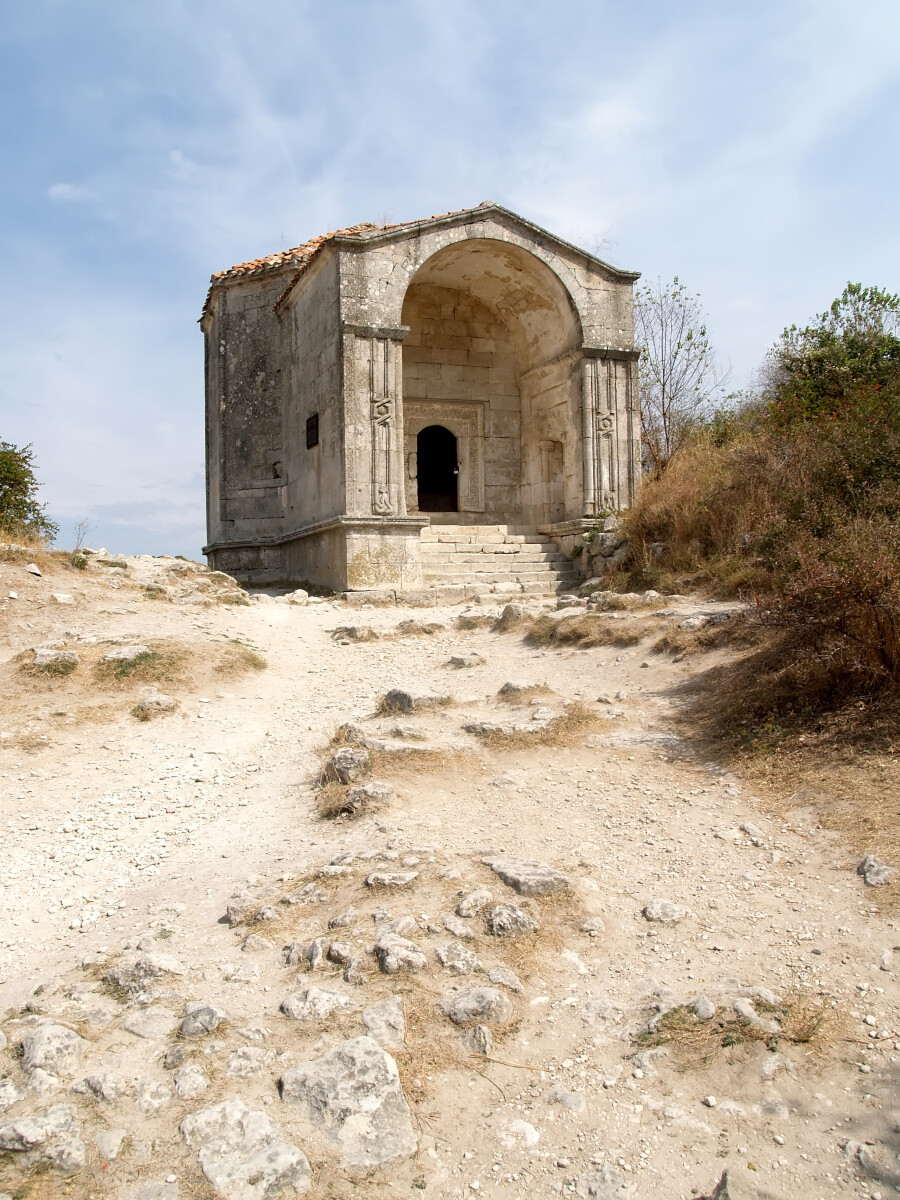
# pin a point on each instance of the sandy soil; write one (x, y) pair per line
(121, 834)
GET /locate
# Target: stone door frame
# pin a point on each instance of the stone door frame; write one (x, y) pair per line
(465, 420)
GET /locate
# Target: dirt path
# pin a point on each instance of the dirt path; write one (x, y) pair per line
(123, 836)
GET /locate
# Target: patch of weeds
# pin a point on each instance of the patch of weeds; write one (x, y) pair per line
(564, 730)
(78, 561)
(474, 622)
(588, 630)
(694, 1044)
(239, 658)
(162, 661)
(411, 628)
(355, 633)
(238, 598)
(59, 667)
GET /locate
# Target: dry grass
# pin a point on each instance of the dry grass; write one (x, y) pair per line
(589, 630)
(738, 632)
(695, 1044)
(386, 707)
(412, 628)
(355, 633)
(51, 670)
(237, 659)
(333, 801)
(240, 598)
(468, 623)
(164, 661)
(525, 695)
(565, 730)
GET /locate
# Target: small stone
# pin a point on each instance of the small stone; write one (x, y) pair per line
(10, 1094)
(396, 954)
(665, 910)
(340, 953)
(190, 1082)
(150, 1022)
(44, 656)
(472, 904)
(386, 1023)
(710, 1101)
(313, 1004)
(463, 661)
(62, 598)
(744, 1008)
(593, 925)
(519, 1134)
(353, 1094)
(109, 1143)
(152, 1097)
(874, 871)
(510, 921)
(399, 700)
(105, 1085)
(457, 959)
(479, 1006)
(124, 653)
(457, 927)
(479, 1040)
(156, 703)
(391, 879)
(344, 920)
(299, 597)
(347, 764)
(703, 1007)
(753, 832)
(527, 876)
(34, 569)
(505, 978)
(174, 1057)
(43, 1083)
(201, 1019)
(254, 944)
(248, 1061)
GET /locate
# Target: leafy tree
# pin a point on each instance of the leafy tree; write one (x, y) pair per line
(20, 512)
(850, 353)
(680, 377)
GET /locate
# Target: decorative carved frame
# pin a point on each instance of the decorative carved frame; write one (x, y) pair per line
(464, 419)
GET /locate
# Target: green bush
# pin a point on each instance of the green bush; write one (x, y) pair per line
(20, 513)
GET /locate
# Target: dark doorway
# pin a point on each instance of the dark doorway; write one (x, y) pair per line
(437, 470)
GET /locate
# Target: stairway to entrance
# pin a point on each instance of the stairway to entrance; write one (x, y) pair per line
(495, 558)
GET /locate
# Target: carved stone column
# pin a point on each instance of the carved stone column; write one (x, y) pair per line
(385, 418)
(610, 429)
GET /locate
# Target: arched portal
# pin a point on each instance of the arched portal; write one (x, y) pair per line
(490, 357)
(437, 470)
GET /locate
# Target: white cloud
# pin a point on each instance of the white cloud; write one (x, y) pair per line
(70, 193)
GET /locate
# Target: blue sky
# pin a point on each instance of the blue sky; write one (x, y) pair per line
(750, 148)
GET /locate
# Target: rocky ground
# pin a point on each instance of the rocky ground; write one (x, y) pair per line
(557, 949)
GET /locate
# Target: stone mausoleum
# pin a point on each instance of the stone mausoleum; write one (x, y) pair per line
(449, 403)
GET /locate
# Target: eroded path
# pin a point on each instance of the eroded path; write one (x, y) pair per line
(125, 843)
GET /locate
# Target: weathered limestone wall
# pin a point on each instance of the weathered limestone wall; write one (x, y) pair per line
(314, 489)
(244, 412)
(458, 351)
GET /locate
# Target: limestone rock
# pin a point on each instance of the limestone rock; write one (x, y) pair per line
(190, 1082)
(254, 943)
(242, 1154)
(344, 920)
(150, 1022)
(10, 1094)
(457, 959)
(400, 700)
(396, 954)
(353, 1094)
(51, 1136)
(134, 971)
(391, 879)
(462, 661)
(527, 876)
(472, 904)
(201, 1019)
(386, 1022)
(482, 1005)
(124, 653)
(52, 1048)
(247, 1061)
(665, 910)
(44, 656)
(154, 704)
(297, 597)
(604, 1183)
(105, 1085)
(347, 764)
(479, 1040)
(313, 1004)
(153, 1097)
(505, 978)
(43, 1083)
(508, 920)
(459, 928)
(874, 871)
(109, 1142)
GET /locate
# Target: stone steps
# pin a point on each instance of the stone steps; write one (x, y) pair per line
(497, 558)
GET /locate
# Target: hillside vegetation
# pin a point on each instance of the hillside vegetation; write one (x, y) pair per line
(792, 501)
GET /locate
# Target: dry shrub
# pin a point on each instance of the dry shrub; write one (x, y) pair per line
(694, 1044)
(471, 622)
(565, 730)
(412, 628)
(738, 631)
(525, 695)
(511, 618)
(237, 659)
(355, 633)
(589, 630)
(165, 661)
(239, 598)
(333, 800)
